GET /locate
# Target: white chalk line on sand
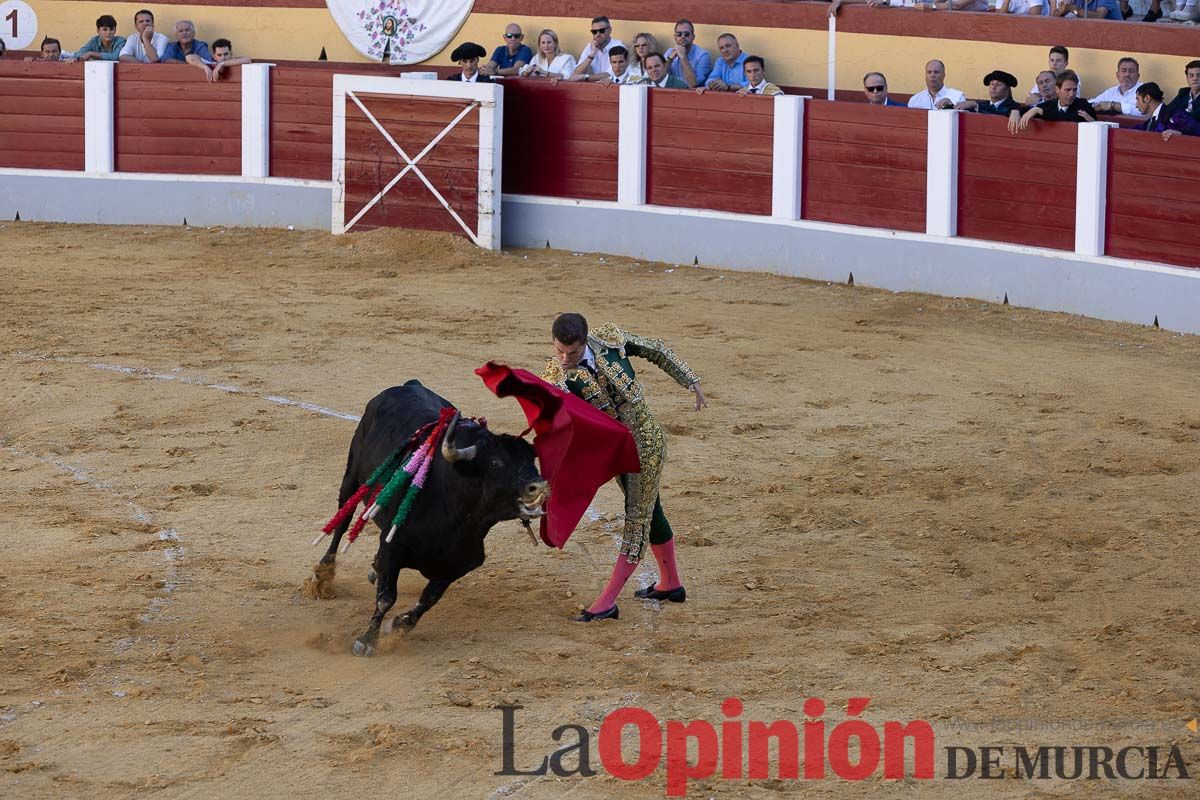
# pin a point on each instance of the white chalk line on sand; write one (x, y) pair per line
(177, 377)
(171, 556)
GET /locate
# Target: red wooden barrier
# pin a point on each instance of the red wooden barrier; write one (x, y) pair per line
(710, 151)
(302, 113)
(169, 119)
(41, 115)
(1018, 189)
(1153, 197)
(865, 165)
(452, 166)
(560, 141)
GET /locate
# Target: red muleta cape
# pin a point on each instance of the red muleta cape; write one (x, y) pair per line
(578, 447)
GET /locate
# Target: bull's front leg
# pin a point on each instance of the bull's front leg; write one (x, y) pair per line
(385, 598)
(429, 597)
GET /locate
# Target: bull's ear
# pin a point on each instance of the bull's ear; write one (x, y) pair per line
(451, 451)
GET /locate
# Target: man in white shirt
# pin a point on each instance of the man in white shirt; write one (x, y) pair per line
(147, 46)
(936, 94)
(594, 58)
(1122, 98)
(1028, 7)
(619, 74)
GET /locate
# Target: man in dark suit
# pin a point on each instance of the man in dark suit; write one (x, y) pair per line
(1000, 100)
(1188, 99)
(467, 56)
(1161, 119)
(875, 90)
(1067, 106)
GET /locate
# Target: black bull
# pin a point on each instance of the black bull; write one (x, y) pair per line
(477, 478)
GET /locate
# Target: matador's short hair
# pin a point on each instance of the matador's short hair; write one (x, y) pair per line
(569, 328)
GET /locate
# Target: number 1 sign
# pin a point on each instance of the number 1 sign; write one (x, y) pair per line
(18, 24)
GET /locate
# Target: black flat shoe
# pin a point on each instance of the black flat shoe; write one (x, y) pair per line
(1152, 16)
(587, 616)
(677, 595)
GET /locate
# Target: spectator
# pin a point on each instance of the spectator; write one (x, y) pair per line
(756, 78)
(643, 45)
(728, 75)
(837, 4)
(1057, 61)
(510, 57)
(1153, 11)
(185, 44)
(936, 94)
(467, 56)
(657, 74)
(875, 90)
(1044, 88)
(1161, 118)
(618, 74)
(591, 62)
(689, 62)
(1122, 98)
(1189, 13)
(551, 61)
(1030, 7)
(1188, 98)
(958, 5)
(222, 56)
(1000, 100)
(148, 46)
(105, 45)
(51, 51)
(1068, 106)
(1092, 9)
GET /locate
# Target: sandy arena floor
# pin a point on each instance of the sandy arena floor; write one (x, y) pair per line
(980, 516)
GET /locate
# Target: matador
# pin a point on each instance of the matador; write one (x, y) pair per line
(595, 366)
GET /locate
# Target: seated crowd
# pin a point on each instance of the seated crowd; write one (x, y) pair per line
(146, 46)
(1184, 11)
(1055, 93)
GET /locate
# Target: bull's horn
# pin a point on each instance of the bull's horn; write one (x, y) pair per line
(449, 451)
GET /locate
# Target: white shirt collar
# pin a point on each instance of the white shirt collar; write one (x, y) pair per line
(588, 357)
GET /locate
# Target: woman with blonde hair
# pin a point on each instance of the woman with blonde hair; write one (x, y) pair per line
(643, 45)
(550, 61)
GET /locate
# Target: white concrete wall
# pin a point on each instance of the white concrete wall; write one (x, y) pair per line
(1051, 280)
(136, 199)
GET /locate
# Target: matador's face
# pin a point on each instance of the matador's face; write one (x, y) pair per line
(569, 355)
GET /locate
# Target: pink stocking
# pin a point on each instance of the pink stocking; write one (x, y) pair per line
(621, 572)
(668, 573)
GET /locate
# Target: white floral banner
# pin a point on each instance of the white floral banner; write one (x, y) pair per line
(399, 31)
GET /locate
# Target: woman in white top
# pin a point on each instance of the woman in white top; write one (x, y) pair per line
(550, 61)
(643, 45)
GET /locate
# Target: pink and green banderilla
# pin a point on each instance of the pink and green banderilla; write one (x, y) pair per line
(388, 480)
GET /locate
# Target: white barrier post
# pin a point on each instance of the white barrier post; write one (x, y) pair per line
(256, 120)
(99, 92)
(634, 113)
(787, 158)
(941, 174)
(1091, 187)
(831, 76)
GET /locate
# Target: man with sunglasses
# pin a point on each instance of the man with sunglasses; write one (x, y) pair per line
(688, 62)
(510, 57)
(875, 90)
(593, 61)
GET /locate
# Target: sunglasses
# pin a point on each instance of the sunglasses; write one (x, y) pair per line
(514, 36)
(874, 88)
(683, 34)
(598, 31)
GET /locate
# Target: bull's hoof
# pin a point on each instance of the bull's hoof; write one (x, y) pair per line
(402, 623)
(363, 649)
(319, 585)
(371, 576)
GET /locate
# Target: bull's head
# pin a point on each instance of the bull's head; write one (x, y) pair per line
(512, 486)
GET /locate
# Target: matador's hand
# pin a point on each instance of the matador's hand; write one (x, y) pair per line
(700, 401)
